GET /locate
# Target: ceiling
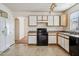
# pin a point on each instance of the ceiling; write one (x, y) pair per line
(37, 7)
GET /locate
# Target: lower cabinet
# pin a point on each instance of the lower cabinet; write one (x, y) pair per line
(60, 40)
(63, 42)
(32, 40)
(67, 45)
(51, 39)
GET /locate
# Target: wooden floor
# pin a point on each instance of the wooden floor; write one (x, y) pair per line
(26, 50)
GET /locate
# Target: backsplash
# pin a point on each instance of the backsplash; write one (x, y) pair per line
(48, 28)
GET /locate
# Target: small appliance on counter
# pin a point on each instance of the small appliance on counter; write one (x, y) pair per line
(42, 37)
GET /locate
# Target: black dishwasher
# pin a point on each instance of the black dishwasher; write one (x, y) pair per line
(74, 46)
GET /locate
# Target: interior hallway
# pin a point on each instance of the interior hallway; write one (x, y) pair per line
(25, 50)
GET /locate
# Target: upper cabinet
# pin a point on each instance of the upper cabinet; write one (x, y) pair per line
(3, 14)
(50, 21)
(53, 20)
(56, 20)
(39, 18)
(64, 20)
(45, 18)
(32, 20)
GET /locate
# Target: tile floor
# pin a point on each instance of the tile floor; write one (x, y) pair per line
(25, 50)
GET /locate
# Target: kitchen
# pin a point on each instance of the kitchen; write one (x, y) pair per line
(47, 24)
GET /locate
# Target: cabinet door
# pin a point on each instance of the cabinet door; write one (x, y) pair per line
(63, 42)
(39, 18)
(56, 20)
(32, 40)
(50, 21)
(2, 34)
(32, 20)
(59, 41)
(63, 20)
(67, 45)
(52, 39)
(44, 18)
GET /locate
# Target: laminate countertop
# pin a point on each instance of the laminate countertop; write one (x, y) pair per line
(47, 31)
(70, 33)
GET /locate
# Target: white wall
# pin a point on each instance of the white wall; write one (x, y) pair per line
(26, 25)
(10, 21)
(21, 27)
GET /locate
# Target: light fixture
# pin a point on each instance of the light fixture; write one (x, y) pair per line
(53, 5)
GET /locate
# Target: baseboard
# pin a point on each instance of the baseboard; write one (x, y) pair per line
(36, 44)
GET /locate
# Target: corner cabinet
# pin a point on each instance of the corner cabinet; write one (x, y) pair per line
(63, 41)
(64, 20)
(32, 20)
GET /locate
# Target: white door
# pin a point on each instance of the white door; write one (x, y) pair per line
(2, 34)
(8, 34)
(56, 20)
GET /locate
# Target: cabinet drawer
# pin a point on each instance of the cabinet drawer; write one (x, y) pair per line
(32, 40)
(51, 39)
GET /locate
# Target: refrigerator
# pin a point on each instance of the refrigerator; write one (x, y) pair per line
(4, 39)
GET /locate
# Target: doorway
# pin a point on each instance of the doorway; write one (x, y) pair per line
(19, 40)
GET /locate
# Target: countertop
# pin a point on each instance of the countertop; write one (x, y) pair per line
(70, 33)
(47, 31)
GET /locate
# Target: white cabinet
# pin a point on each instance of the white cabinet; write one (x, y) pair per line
(50, 21)
(63, 20)
(44, 18)
(63, 42)
(56, 20)
(67, 45)
(59, 40)
(51, 39)
(32, 20)
(39, 18)
(32, 40)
